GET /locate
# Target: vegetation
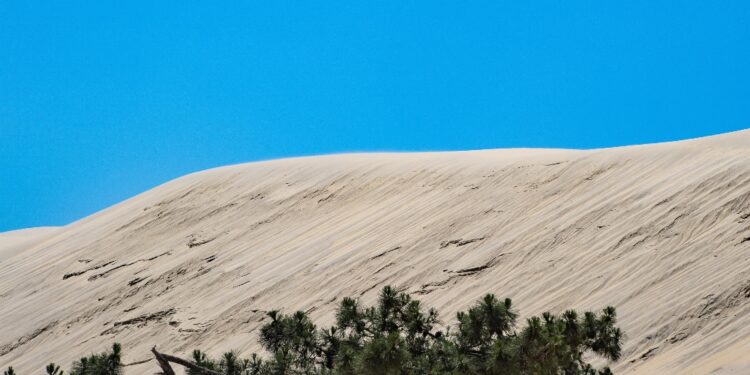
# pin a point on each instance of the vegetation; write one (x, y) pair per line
(53, 369)
(398, 337)
(107, 363)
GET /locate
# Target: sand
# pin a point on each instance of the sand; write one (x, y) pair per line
(16, 241)
(660, 231)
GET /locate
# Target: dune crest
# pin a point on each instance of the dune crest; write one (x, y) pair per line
(660, 231)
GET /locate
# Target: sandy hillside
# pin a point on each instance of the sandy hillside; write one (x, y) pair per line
(660, 231)
(14, 242)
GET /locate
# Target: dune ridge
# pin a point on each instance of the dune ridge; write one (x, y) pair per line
(660, 231)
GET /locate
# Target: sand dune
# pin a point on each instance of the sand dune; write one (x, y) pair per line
(17, 241)
(661, 231)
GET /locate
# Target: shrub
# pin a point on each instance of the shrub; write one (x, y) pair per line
(398, 337)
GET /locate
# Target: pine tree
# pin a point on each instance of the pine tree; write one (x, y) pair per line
(53, 369)
(202, 360)
(107, 363)
(396, 336)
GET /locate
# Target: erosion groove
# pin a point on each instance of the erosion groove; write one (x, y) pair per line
(107, 272)
(386, 252)
(460, 242)
(7, 348)
(78, 273)
(139, 321)
(146, 318)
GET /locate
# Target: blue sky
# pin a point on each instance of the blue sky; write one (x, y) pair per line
(102, 100)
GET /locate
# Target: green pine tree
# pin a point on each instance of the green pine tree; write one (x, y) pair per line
(53, 369)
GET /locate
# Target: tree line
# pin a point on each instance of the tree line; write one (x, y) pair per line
(397, 336)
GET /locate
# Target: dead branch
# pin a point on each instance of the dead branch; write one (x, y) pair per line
(166, 368)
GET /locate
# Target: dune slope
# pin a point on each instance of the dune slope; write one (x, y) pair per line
(17, 241)
(660, 231)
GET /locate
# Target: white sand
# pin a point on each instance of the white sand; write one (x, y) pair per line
(16, 241)
(655, 230)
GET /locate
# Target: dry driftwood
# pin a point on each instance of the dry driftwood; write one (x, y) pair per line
(166, 368)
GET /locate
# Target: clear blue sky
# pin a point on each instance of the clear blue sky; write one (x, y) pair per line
(102, 100)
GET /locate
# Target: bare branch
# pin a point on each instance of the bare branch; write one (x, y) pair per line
(164, 360)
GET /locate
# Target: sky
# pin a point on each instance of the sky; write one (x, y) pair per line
(102, 100)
